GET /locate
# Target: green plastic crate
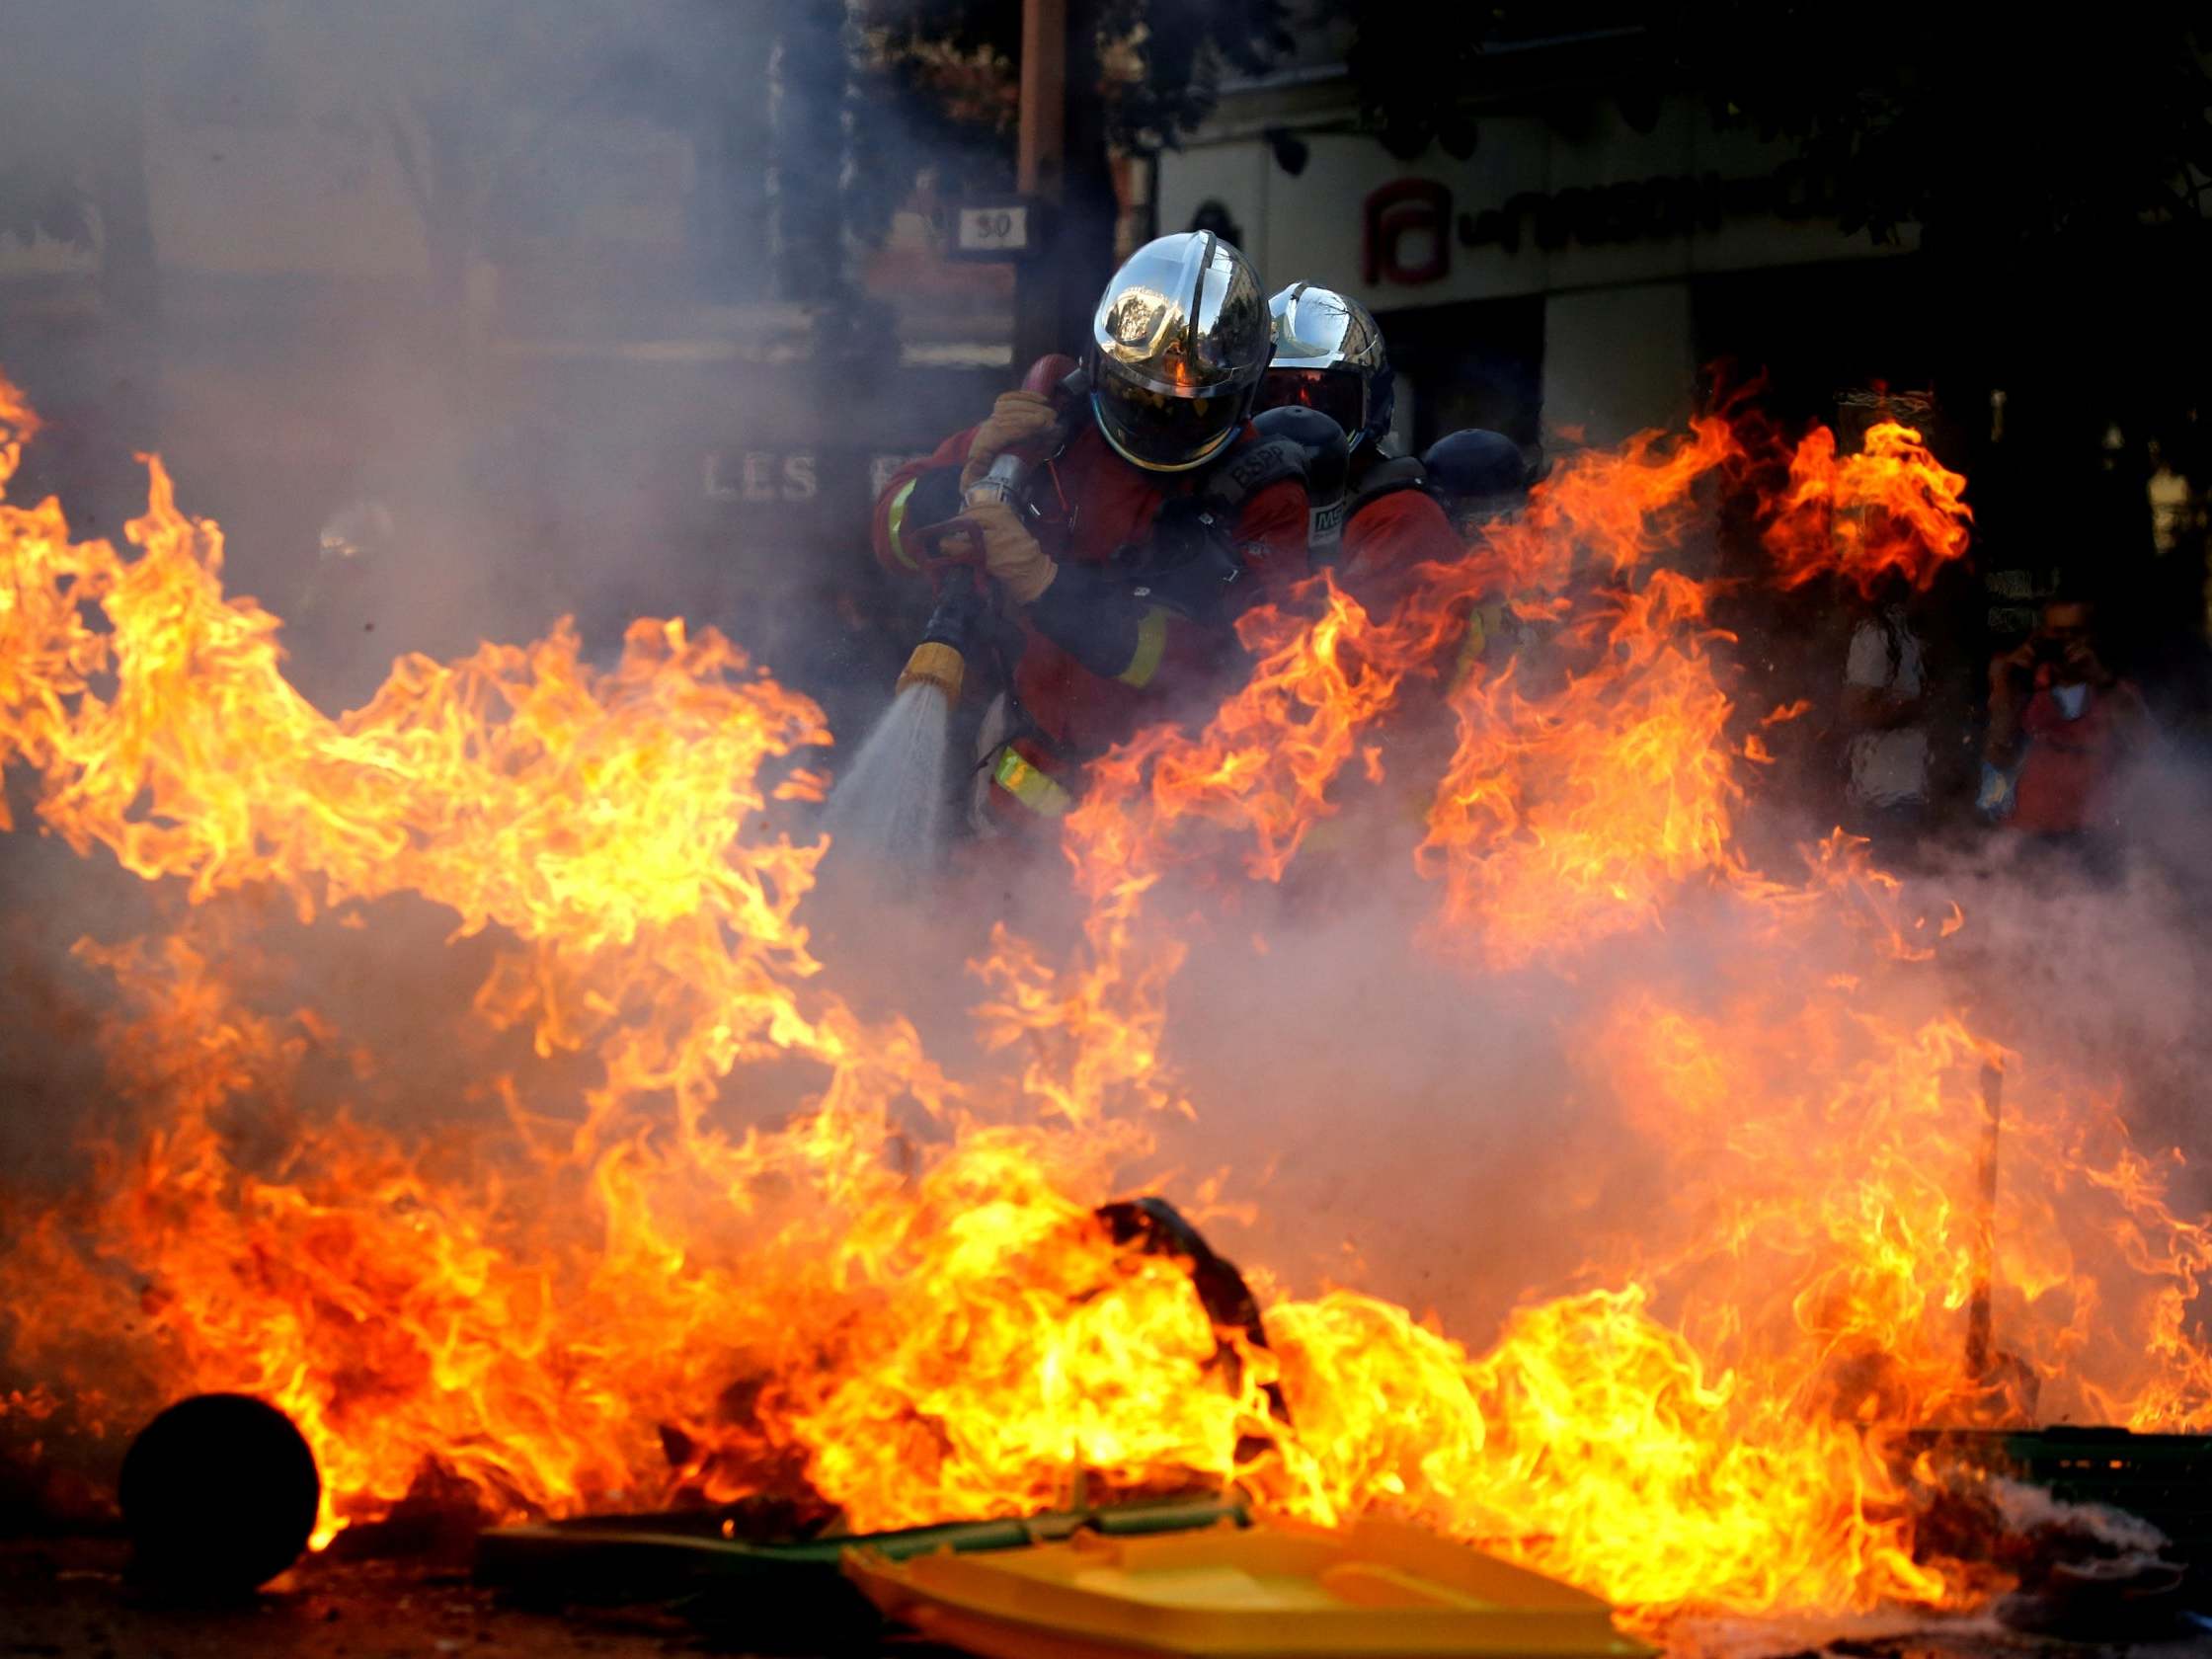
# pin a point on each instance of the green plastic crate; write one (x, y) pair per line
(790, 1597)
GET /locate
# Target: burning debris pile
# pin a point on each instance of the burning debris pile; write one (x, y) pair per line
(706, 1225)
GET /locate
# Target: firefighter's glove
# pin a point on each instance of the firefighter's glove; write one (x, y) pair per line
(1017, 418)
(1010, 552)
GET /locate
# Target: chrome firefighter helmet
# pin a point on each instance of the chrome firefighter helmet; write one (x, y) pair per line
(1178, 345)
(1329, 355)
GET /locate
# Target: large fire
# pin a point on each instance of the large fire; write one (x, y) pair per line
(698, 1225)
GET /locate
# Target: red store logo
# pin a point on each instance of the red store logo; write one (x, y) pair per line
(1407, 236)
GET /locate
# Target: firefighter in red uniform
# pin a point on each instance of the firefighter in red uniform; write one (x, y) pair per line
(1480, 478)
(1329, 355)
(1156, 514)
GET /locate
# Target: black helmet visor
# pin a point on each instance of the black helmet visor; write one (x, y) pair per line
(1162, 432)
(1338, 393)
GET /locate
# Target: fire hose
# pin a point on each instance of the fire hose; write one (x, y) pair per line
(952, 552)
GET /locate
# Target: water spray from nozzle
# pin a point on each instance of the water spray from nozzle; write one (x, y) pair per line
(941, 658)
(891, 803)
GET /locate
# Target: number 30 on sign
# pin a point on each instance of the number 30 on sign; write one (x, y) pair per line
(999, 230)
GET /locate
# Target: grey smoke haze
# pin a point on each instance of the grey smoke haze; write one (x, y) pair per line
(482, 288)
(516, 271)
(1414, 1128)
(1439, 1135)
(1444, 1135)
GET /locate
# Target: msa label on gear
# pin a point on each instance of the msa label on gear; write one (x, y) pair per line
(1324, 527)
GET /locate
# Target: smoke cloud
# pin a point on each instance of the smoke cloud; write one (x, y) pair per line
(404, 465)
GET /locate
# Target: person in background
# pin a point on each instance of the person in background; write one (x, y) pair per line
(2176, 511)
(1886, 706)
(2061, 728)
(2174, 666)
(1480, 479)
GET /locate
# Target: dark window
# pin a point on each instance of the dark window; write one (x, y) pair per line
(1476, 363)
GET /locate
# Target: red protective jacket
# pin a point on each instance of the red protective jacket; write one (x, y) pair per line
(1093, 503)
(1393, 533)
(2068, 779)
(1386, 538)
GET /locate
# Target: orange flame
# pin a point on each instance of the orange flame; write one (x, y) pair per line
(588, 1285)
(1890, 509)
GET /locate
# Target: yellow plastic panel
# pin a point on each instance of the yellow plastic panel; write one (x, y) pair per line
(1378, 1589)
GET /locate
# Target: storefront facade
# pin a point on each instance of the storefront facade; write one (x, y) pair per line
(1585, 253)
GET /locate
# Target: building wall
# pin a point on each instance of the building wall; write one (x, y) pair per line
(1611, 229)
(628, 425)
(1618, 360)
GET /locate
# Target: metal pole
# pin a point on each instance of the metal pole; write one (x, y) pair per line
(1040, 170)
(1979, 1356)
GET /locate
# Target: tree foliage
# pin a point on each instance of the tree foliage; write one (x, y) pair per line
(1985, 128)
(1175, 56)
(1141, 73)
(1160, 61)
